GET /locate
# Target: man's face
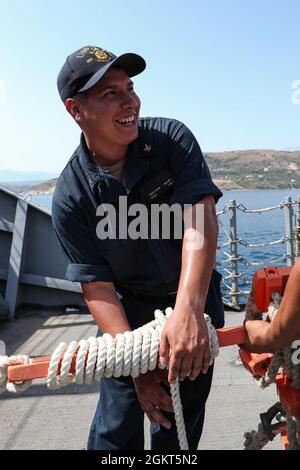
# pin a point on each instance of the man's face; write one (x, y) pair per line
(111, 109)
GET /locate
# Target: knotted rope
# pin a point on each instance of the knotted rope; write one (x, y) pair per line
(130, 353)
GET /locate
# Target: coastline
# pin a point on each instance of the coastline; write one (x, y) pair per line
(47, 187)
(234, 189)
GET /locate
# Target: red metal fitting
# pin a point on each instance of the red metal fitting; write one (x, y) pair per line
(269, 280)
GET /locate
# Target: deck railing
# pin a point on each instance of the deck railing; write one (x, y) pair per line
(236, 283)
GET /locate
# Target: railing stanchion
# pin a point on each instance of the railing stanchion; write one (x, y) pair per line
(298, 228)
(234, 253)
(288, 209)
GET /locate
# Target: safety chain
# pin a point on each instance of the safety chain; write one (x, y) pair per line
(229, 262)
(244, 209)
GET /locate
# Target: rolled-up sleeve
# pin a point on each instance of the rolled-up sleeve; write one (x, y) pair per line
(191, 176)
(75, 237)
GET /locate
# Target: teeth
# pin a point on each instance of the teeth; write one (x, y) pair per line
(126, 120)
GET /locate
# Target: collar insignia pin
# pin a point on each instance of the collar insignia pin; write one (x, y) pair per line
(147, 148)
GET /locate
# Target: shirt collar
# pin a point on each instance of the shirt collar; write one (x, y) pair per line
(137, 162)
(90, 169)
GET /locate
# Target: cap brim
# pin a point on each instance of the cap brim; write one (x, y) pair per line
(133, 64)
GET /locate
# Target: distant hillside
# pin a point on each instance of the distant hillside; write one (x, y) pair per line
(255, 169)
(8, 176)
(239, 169)
(46, 187)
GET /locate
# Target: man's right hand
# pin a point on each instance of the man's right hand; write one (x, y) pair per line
(257, 331)
(153, 397)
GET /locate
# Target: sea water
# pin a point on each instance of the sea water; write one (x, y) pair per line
(251, 228)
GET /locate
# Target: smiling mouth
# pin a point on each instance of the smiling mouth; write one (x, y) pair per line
(127, 122)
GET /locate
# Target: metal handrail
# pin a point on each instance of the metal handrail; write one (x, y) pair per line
(232, 292)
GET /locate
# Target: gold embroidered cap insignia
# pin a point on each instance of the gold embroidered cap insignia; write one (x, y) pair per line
(101, 56)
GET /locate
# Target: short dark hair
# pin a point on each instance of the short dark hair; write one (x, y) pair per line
(82, 96)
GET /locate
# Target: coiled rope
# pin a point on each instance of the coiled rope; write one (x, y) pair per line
(130, 353)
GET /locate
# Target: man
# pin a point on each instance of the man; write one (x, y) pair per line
(285, 327)
(146, 161)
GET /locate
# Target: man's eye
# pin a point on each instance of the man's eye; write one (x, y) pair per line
(109, 93)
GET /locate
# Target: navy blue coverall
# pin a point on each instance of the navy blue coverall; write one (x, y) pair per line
(163, 165)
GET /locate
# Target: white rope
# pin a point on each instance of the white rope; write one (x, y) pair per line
(178, 412)
(130, 353)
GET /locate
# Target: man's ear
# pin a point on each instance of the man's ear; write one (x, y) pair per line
(73, 108)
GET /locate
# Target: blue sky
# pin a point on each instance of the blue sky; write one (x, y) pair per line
(224, 67)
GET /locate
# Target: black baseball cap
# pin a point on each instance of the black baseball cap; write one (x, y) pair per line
(86, 66)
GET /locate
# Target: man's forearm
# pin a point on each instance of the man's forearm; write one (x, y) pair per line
(286, 325)
(106, 308)
(197, 264)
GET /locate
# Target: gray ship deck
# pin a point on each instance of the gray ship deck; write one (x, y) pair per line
(43, 419)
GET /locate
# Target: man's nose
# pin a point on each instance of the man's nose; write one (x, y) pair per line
(130, 101)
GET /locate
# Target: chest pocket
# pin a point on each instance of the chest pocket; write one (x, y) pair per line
(159, 188)
(165, 248)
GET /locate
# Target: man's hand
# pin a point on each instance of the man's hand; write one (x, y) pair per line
(185, 334)
(185, 343)
(153, 397)
(257, 331)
